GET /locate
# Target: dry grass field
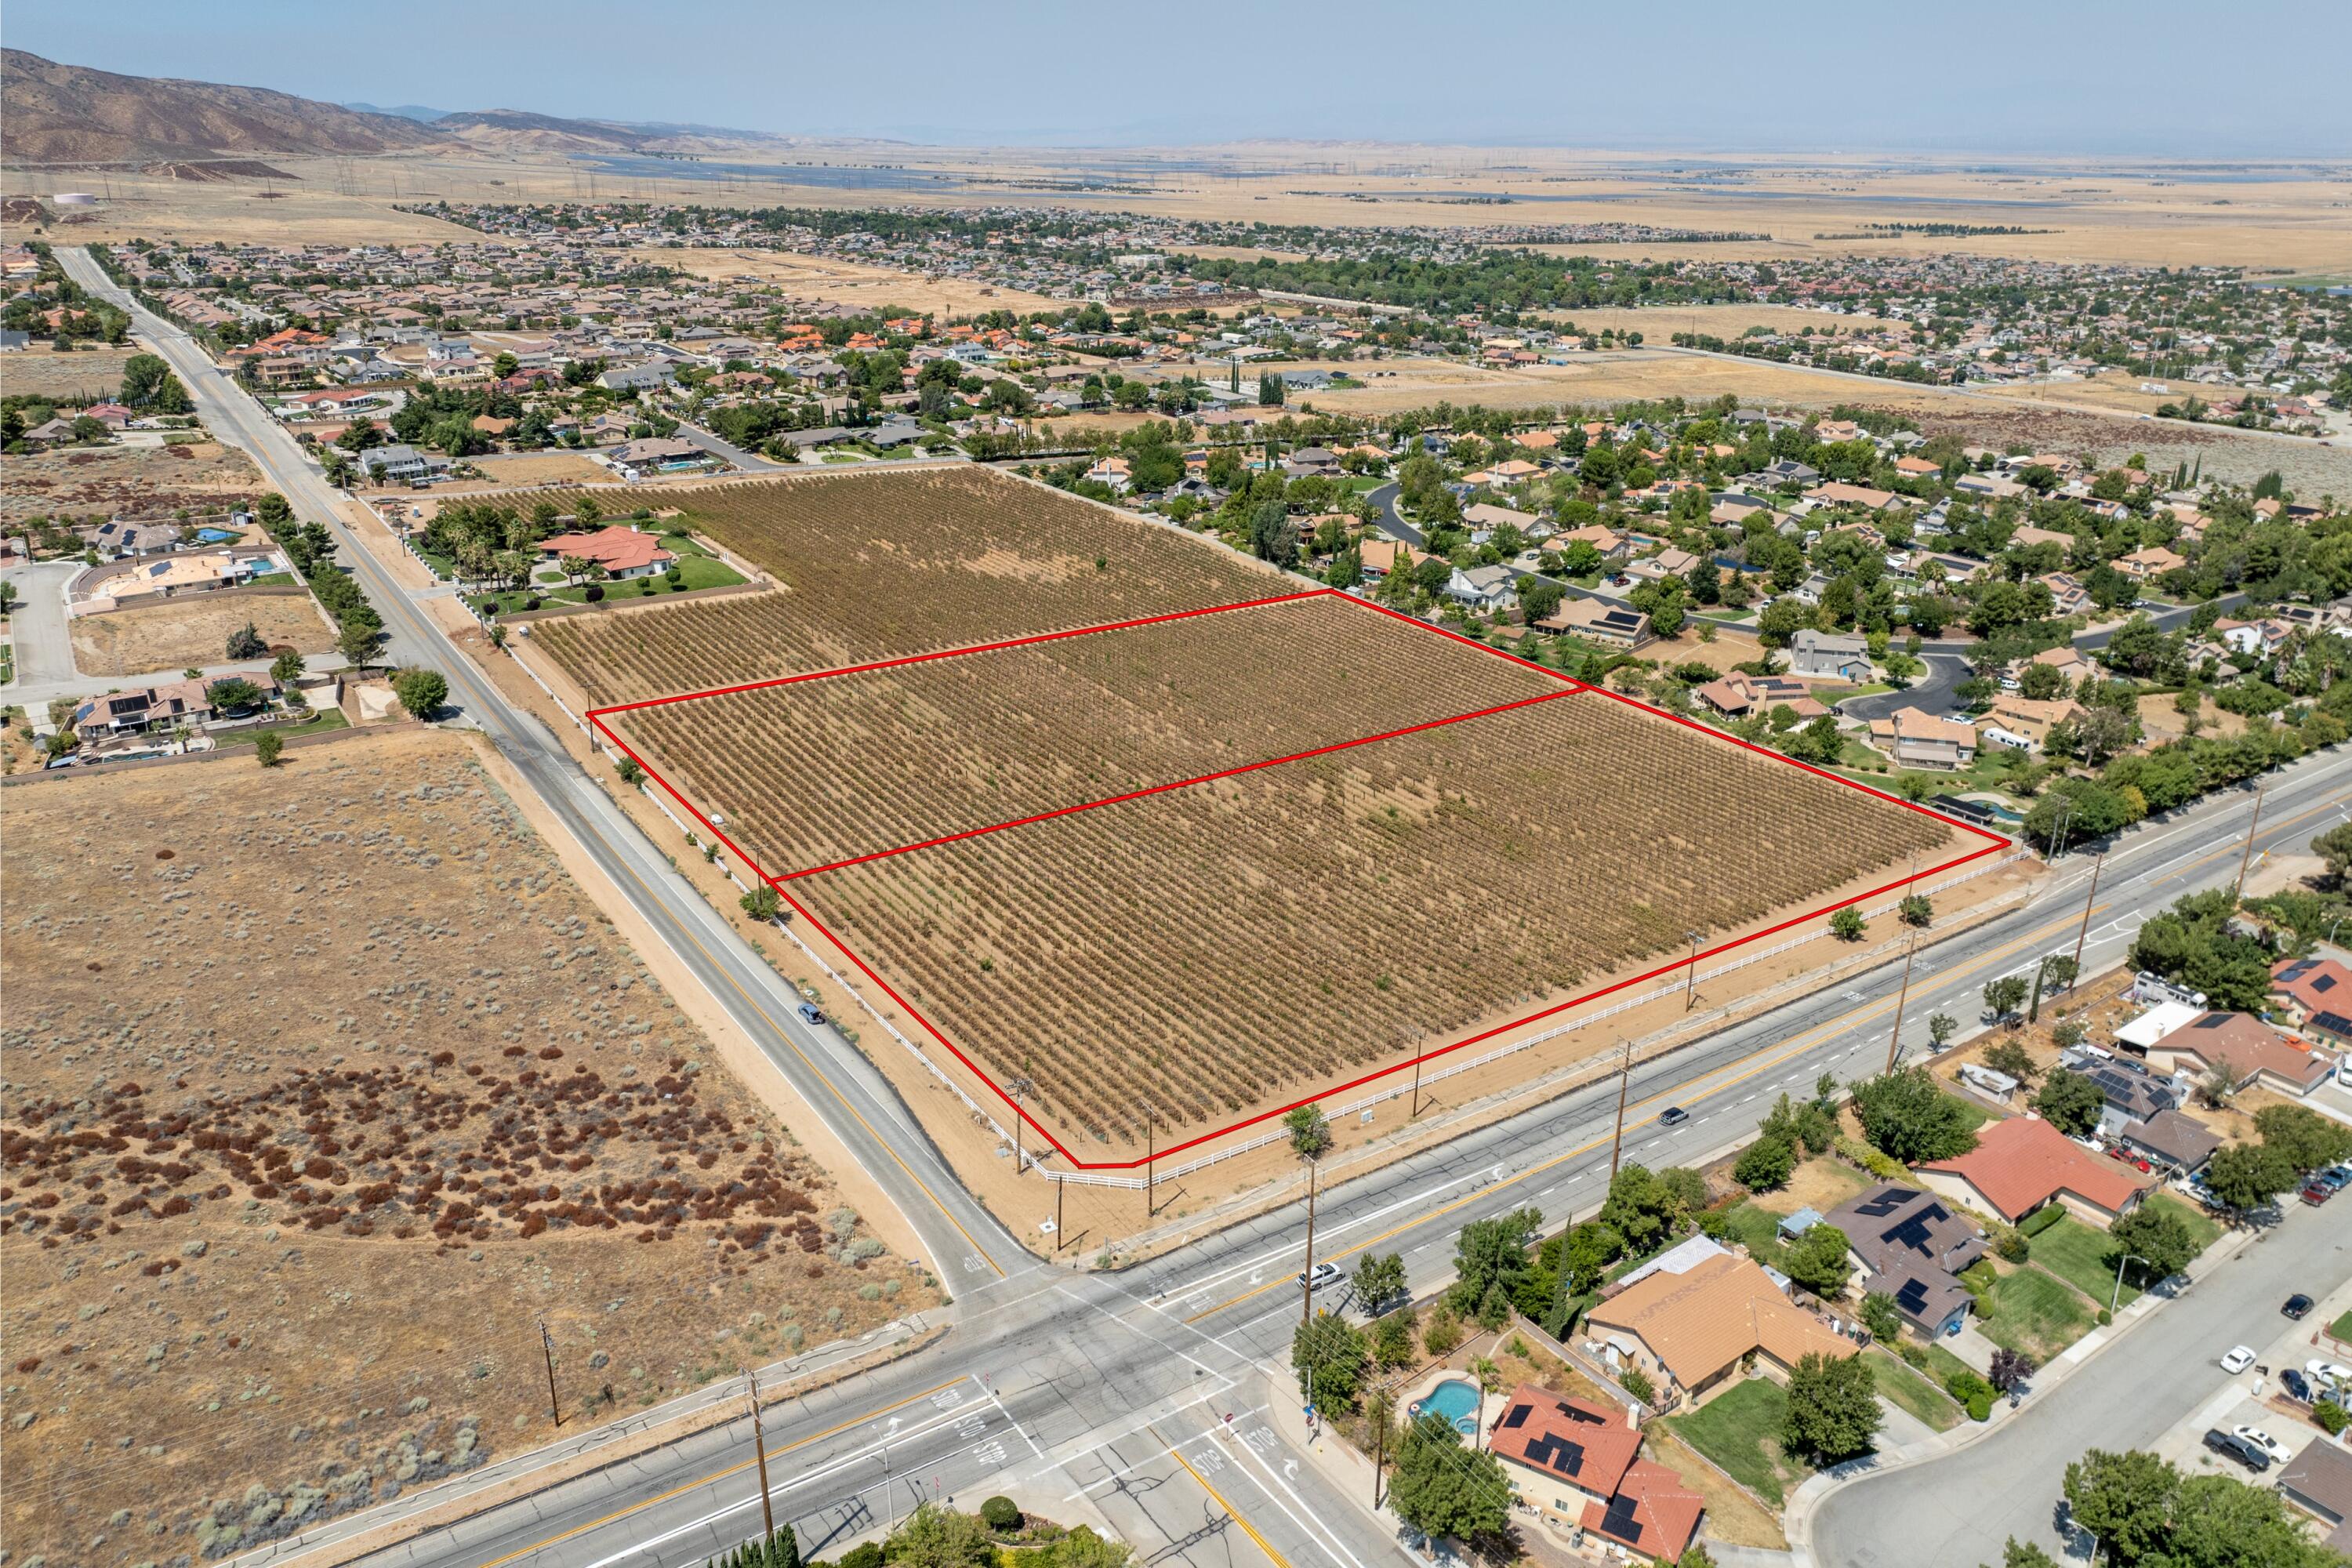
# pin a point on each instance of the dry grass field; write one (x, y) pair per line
(134, 481)
(868, 287)
(879, 565)
(325, 1085)
(176, 634)
(84, 377)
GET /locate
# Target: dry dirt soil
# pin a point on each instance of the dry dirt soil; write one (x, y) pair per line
(177, 633)
(325, 1086)
(131, 482)
(84, 376)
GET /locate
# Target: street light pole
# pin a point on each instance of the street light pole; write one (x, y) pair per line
(1894, 1040)
(2118, 1295)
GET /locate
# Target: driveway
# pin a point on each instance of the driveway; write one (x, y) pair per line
(1938, 692)
(1957, 1512)
(45, 664)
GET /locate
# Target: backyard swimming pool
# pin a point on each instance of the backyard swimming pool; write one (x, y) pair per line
(1456, 1401)
(217, 535)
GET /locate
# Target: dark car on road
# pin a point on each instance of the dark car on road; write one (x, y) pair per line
(2229, 1446)
(2296, 1306)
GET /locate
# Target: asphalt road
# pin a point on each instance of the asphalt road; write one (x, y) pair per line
(1958, 1511)
(1145, 1390)
(38, 630)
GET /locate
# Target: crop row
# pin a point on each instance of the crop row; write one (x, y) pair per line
(879, 565)
(1210, 949)
(819, 771)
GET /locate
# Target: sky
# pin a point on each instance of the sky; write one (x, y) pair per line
(2184, 78)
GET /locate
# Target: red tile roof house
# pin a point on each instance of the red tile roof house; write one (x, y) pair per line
(2021, 1165)
(2257, 1054)
(1579, 1466)
(621, 552)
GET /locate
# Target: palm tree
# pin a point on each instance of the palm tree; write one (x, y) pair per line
(1310, 1137)
(1489, 1376)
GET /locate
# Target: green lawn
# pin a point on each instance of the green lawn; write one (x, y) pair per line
(319, 723)
(1902, 1386)
(1942, 1363)
(2083, 1257)
(695, 571)
(276, 579)
(2341, 1329)
(1757, 1228)
(2035, 1313)
(1740, 1429)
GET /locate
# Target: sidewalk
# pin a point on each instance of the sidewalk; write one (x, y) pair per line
(1797, 1521)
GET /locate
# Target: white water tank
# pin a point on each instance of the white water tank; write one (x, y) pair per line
(75, 199)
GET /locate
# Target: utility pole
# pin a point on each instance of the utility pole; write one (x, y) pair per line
(2238, 890)
(1624, 1082)
(760, 1447)
(1690, 985)
(1151, 1159)
(1059, 1187)
(1307, 1280)
(547, 1350)
(1019, 1086)
(2089, 900)
(1417, 1087)
(1894, 1040)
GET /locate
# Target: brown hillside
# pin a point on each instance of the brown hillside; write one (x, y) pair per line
(69, 114)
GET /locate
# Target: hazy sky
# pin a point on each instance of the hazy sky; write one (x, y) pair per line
(2184, 78)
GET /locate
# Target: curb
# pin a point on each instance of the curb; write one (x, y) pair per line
(1797, 1518)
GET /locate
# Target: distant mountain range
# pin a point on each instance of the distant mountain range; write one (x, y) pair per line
(71, 114)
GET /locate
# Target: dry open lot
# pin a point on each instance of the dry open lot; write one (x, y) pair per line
(177, 633)
(86, 375)
(129, 481)
(1243, 940)
(868, 287)
(324, 1086)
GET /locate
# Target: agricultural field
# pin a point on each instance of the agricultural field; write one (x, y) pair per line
(877, 565)
(1257, 937)
(326, 1085)
(886, 758)
(178, 633)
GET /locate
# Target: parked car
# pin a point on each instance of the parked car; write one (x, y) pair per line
(2334, 1373)
(811, 1014)
(1673, 1116)
(2296, 1306)
(2263, 1440)
(2333, 1178)
(1325, 1275)
(2239, 1359)
(2297, 1387)
(2232, 1447)
(2315, 1194)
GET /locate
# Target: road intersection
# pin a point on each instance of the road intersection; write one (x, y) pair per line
(1142, 1395)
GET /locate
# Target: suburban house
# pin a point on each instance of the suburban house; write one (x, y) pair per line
(2066, 659)
(1736, 696)
(1919, 740)
(2319, 1480)
(1381, 556)
(2023, 1162)
(1910, 1244)
(1114, 472)
(651, 454)
(621, 552)
(394, 465)
(2170, 1139)
(1832, 656)
(2257, 1055)
(2024, 723)
(1666, 563)
(1480, 587)
(172, 703)
(1597, 620)
(2131, 1093)
(2142, 565)
(2316, 994)
(1689, 1331)
(1579, 1466)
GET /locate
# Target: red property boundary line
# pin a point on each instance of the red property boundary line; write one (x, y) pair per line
(1993, 842)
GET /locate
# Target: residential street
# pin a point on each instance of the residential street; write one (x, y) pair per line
(1140, 1393)
(1956, 1512)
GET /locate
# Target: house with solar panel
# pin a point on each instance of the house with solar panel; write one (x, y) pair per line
(1577, 1467)
(2315, 995)
(1910, 1244)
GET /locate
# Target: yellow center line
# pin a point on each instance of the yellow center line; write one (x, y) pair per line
(1231, 1512)
(1802, 1044)
(2238, 848)
(752, 1002)
(714, 1476)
